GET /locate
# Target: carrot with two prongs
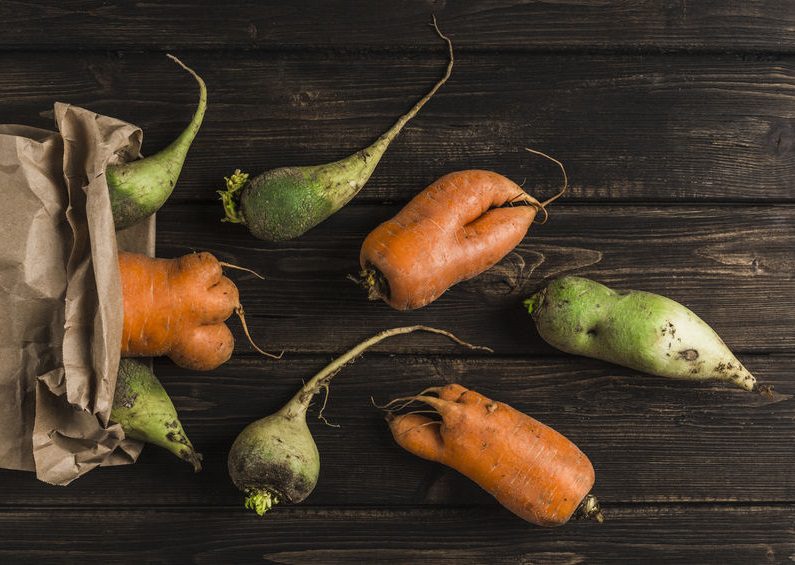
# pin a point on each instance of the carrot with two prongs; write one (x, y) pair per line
(177, 307)
(531, 469)
(455, 229)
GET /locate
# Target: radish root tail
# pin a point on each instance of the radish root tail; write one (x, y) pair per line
(242, 315)
(320, 415)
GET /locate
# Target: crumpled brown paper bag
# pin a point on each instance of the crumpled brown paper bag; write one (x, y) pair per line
(61, 304)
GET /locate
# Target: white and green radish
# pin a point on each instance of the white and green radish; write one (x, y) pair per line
(284, 203)
(275, 460)
(145, 412)
(636, 329)
(139, 188)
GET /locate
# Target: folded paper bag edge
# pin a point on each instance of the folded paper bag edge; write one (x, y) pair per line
(93, 307)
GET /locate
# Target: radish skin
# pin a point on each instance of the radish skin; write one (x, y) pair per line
(636, 329)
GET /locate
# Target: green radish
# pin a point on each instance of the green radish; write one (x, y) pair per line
(145, 412)
(639, 330)
(139, 188)
(285, 203)
(275, 460)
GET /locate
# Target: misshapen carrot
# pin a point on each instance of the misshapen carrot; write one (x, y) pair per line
(455, 229)
(531, 469)
(177, 307)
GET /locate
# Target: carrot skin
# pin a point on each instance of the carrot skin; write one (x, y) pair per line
(177, 307)
(532, 470)
(452, 231)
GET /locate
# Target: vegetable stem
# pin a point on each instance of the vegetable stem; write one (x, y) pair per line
(379, 145)
(590, 509)
(231, 196)
(299, 404)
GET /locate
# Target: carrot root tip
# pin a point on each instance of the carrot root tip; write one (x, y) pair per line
(242, 315)
(590, 509)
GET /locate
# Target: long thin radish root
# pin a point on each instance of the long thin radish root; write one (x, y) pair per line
(531, 469)
(139, 188)
(275, 460)
(284, 203)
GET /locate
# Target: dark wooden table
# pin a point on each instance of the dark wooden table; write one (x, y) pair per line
(676, 121)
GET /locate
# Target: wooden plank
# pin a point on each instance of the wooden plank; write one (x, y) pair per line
(709, 534)
(734, 267)
(484, 24)
(629, 128)
(650, 439)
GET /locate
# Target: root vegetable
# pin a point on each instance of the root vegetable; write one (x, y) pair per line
(177, 307)
(139, 188)
(639, 330)
(531, 469)
(455, 229)
(284, 203)
(275, 460)
(145, 412)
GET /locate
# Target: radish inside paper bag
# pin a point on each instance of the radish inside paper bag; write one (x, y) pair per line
(61, 301)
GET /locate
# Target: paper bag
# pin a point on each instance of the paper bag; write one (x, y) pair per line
(60, 304)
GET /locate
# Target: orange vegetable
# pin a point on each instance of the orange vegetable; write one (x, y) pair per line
(531, 469)
(458, 227)
(177, 307)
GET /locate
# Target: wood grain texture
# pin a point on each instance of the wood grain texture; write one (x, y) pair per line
(676, 122)
(650, 534)
(484, 24)
(629, 128)
(733, 266)
(650, 439)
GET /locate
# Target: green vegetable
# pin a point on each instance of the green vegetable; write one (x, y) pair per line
(284, 203)
(145, 412)
(640, 330)
(275, 460)
(139, 188)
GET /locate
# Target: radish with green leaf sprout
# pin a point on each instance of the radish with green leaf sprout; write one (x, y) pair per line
(275, 460)
(139, 188)
(284, 203)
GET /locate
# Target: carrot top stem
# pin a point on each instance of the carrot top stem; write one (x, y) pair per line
(300, 402)
(589, 509)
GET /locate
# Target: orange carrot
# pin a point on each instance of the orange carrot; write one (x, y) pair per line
(177, 307)
(458, 227)
(531, 469)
